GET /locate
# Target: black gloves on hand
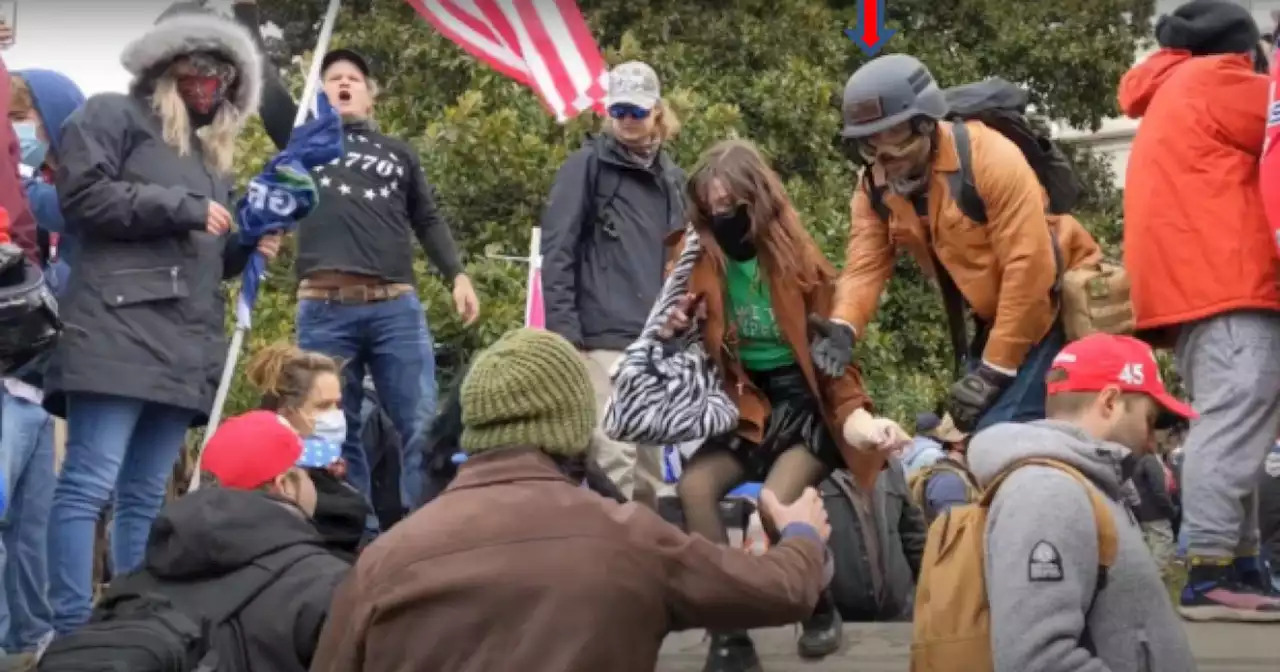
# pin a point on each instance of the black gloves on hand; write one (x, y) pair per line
(832, 345)
(972, 395)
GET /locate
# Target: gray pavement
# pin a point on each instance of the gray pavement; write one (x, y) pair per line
(1219, 647)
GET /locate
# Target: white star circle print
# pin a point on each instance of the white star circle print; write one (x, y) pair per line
(368, 160)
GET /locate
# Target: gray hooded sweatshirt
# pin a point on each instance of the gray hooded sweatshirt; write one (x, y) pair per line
(1042, 561)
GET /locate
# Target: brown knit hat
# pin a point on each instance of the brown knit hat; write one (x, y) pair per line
(530, 388)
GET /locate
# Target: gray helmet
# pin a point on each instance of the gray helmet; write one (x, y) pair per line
(887, 91)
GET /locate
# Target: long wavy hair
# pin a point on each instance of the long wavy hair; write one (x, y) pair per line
(217, 140)
(785, 248)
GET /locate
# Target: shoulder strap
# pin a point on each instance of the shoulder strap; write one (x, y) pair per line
(218, 599)
(1108, 540)
(963, 188)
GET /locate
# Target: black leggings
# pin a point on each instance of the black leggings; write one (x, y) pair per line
(714, 471)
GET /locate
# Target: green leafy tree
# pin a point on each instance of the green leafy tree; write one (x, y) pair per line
(771, 72)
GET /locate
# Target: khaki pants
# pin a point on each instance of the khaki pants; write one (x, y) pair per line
(635, 469)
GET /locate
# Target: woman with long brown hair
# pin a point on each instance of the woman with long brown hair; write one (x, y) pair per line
(759, 278)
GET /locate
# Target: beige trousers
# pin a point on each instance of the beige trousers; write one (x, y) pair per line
(635, 469)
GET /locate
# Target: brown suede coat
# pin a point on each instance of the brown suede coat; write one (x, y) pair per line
(791, 307)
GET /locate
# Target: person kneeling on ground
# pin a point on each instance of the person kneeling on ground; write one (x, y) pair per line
(516, 567)
(305, 389)
(948, 481)
(239, 555)
(1052, 609)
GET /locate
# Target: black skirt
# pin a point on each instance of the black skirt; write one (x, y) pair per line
(795, 418)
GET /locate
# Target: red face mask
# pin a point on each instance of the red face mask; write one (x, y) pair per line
(201, 93)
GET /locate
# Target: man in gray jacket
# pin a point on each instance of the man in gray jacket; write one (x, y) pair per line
(1052, 610)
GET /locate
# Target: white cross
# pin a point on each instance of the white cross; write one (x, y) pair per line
(344, 189)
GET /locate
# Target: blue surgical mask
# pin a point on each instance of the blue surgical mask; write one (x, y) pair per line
(33, 148)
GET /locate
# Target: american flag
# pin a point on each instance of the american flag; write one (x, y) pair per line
(543, 44)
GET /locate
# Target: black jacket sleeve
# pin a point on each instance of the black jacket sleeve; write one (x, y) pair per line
(312, 611)
(235, 256)
(567, 210)
(429, 225)
(277, 109)
(1154, 486)
(94, 143)
(911, 526)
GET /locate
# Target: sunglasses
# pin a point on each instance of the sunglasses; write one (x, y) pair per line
(633, 111)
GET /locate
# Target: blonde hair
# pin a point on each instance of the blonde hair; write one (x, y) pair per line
(20, 99)
(666, 123)
(217, 140)
(285, 373)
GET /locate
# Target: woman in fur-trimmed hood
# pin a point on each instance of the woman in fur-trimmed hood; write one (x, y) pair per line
(144, 180)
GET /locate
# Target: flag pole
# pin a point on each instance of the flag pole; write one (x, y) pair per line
(237, 339)
(532, 301)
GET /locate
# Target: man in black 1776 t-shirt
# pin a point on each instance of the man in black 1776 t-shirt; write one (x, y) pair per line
(357, 298)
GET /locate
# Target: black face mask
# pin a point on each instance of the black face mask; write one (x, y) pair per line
(732, 231)
(200, 119)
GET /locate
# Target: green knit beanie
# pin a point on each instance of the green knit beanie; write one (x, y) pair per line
(530, 388)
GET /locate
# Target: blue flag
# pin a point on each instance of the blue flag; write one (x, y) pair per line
(283, 194)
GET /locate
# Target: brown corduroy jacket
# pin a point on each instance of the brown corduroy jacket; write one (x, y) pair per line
(516, 568)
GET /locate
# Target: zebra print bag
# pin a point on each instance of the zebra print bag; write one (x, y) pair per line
(669, 392)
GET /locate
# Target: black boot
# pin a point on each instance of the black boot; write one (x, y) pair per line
(732, 651)
(823, 632)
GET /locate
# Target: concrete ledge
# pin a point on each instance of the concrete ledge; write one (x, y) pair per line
(885, 647)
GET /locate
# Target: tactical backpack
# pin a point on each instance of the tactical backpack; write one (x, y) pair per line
(918, 483)
(1001, 106)
(144, 624)
(952, 624)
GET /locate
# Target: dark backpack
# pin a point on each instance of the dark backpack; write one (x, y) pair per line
(603, 185)
(144, 624)
(1001, 106)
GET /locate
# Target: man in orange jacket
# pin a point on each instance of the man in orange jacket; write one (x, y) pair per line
(1004, 268)
(1204, 271)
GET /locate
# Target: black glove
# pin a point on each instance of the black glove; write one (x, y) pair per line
(832, 345)
(972, 395)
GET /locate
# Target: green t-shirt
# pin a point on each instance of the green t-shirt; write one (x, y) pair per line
(760, 343)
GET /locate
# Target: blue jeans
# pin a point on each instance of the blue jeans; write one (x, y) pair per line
(26, 462)
(115, 444)
(391, 341)
(1023, 401)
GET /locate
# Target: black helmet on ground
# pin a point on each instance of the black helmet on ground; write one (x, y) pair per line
(29, 323)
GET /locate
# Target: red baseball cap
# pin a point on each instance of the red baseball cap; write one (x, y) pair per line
(1099, 361)
(248, 451)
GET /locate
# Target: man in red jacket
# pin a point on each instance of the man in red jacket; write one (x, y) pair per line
(1201, 260)
(21, 227)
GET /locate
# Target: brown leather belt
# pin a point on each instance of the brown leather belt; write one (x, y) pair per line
(355, 293)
